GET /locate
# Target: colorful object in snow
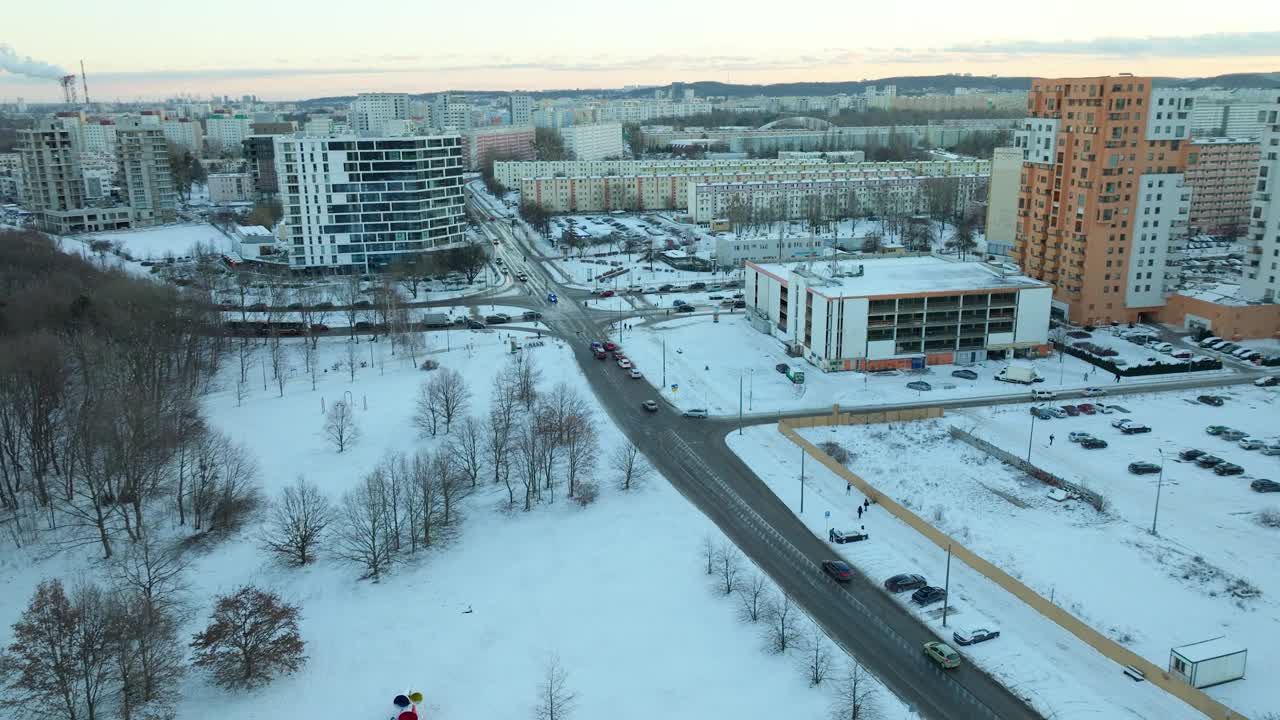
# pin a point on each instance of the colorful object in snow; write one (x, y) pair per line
(408, 715)
(415, 696)
(401, 701)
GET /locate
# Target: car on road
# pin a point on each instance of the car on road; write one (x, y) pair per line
(1233, 435)
(1119, 424)
(1269, 381)
(928, 595)
(694, 413)
(964, 374)
(475, 324)
(1217, 429)
(1250, 443)
(531, 315)
(697, 286)
(974, 636)
(846, 536)
(522, 277)
(497, 318)
(1190, 454)
(649, 290)
(635, 374)
(650, 405)
(1265, 486)
(1093, 392)
(610, 345)
(904, 582)
(942, 654)
(1071, 410)
(1135, 428)
(624, 363)
(606, 294)
(1143, 468)
(1227, 468)
(1093, 443)
(1205, 461)
(666, 288)
(1043, 394)
(1078, 436)
(839, 570)
(919, 385)
(1042, 413)
(602, 355)
(685, 309)
(781, 367)
(1213, 400)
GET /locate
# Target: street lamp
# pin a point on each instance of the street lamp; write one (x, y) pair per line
(1159, 486)
(1032, 435)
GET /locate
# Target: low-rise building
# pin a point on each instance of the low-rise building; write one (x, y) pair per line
(734, 251)
(903, 312)
(226, 188)
(1221, 309)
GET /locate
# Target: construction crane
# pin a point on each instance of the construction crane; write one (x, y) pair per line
(84, 83)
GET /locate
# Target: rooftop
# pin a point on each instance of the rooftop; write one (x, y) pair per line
(902, 276)
(1218, 293)
(1209, 649)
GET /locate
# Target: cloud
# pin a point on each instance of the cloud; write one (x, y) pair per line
(1265, 43)
(11, 61)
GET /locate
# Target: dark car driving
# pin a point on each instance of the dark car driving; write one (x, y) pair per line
(838, 570)
(904, 582)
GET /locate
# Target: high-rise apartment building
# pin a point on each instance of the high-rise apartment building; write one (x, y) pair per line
(1221, 172)
(1102, 196)
(360, 203)
(224, 133)
(521, 107)
(145, 174)
(450, 112)
(593, 142)
(1261, 279)
(184, 133)
(53, 182)
(1002, 200)
(260, 154)
(371, 112)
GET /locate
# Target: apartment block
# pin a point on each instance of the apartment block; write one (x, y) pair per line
(521, 109)
(1221, 173)
(53, 183)
(370, 113)
(793, 199)
(186, 134)
(225, 188)
(260, 153)
(145, 173)
(355, 203)
(509, 142)
(225, 133)
(1261, 281)
(1102, 197)
(593, 142)
(1002, 200)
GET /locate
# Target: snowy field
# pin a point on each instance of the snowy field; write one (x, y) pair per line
(707, 358)
(158, 242)
(615, 589)
(1011, 522)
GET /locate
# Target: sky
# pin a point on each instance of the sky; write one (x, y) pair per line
(287, 49)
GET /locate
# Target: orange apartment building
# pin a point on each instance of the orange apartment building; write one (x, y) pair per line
(1102, 198)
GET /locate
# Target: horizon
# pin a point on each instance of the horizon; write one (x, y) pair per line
(532, 49)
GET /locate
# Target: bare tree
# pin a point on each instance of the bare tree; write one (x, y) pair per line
(363, 535)
(527, 450)
(224, 483)
(555, 699)
(427, 412)
(279, 364)
(857, 694)
(297, 523)
(781, 623)
(751, 594)
(425, 501)
(352, 303)
(581, 445)
(252, 637)
(467, 449)
(708, 552)
(340, 425)
(452, 395)
(817, 653)
(632, 468)
(728, 564)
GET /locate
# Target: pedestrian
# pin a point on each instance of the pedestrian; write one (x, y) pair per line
(866, 503)
(1117, 378)
(1050, 440)
(859, 512)
(848, 488)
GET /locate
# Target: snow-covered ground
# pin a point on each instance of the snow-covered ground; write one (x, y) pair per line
(1128, 354)
(158, 242)
(615, 590)
(1102, 569)
(706, 359)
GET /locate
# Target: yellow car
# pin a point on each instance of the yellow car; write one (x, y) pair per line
(942, 654)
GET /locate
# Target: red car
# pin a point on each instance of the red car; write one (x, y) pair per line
(611, 346)
(1071, 410)
(606, 293)
(1087, 409)
(601, 355)
(618, 355)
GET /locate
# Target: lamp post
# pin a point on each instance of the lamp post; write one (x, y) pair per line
(1032, 435)
(1159, 486)
(739, 402)
(801, 481)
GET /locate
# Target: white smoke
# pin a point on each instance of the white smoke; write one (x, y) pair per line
(11, 61)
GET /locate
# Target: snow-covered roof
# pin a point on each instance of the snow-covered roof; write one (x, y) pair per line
(1209, 649)
(1219, 293)
(901, 276)
(247, 230)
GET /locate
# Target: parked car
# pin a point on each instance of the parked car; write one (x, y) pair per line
(697, 286)
(781, 367)
(1104, 409)
(1093, 392)
(1213, 400)
(1042, 413)
(1190, 454)
(475, 324)
(650, 405)
(1227, 468)
(1135, 429)
(263, 306)
(1079, 335)
(964, 374)
(1210, 341)
(1071, 410)
(532, 315)
(1205, 461)
(1119, 424)
(685, 309)
(1269, 381)
(1087, 408)
(1093, 443)
(839, 570)
(1056, 412)
(739, 304)
(1078, 436)
(649, 290)
(694, 413)
(1143, 468)
(942, 654)
(975, 636)
(904, 582)
(1043, 394)
(1272, 449)
(919, 385)
(666, 288)
(1265, 486)
(928, 595)
(1217, 429)
(846, 536)
(1249, 443)
(1232, 435)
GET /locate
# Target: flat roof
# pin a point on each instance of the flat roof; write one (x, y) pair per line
(902, 276)
(1209, 649)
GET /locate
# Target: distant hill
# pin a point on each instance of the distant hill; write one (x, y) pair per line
(908, 85)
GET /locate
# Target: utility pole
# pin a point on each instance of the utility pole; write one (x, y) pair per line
(801, 481)
(739, 402)
(946, 588)
(664, 362)
(1032, 435)
(1159, 485)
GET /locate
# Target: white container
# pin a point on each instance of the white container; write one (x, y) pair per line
(1208, 662)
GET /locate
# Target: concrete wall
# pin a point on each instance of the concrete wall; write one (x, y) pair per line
(1120, 654)
(1232, 322)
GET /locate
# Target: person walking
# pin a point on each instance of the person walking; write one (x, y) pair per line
(1050, 440)
(848, 488)
(1117, 378)
(859, 512)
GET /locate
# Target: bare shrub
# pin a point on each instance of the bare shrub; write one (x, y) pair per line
(836, 451)
(587, 492)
